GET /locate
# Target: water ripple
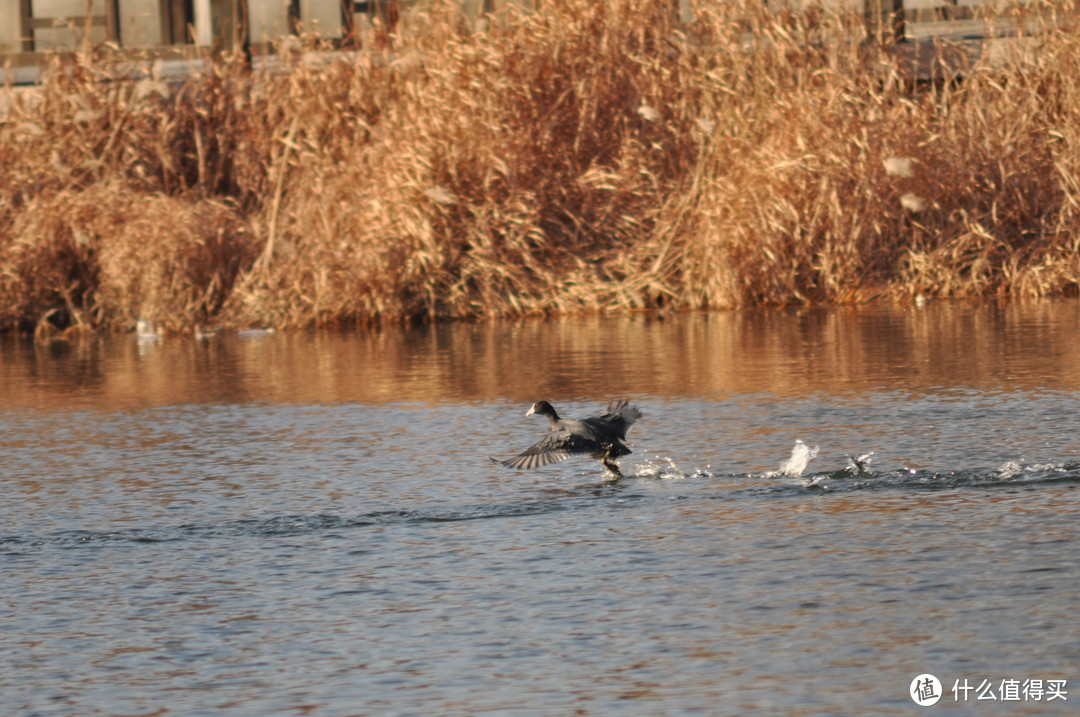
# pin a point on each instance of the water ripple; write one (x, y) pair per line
(1007, 476)
(560, 499)
(276, 526)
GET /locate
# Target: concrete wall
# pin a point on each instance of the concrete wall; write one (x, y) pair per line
(267, 19)
(9, 24)
(140, 21)
(321, 16)
(68, 34)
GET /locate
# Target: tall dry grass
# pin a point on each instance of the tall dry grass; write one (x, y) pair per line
(583, 156)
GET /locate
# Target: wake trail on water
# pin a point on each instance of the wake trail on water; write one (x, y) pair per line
(858, 474)
(791, 479)
(276, 526)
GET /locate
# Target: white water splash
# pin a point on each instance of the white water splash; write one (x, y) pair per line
(860, 465)
(821, 481)
(794, 466)
(1010, 469)
(662, 469)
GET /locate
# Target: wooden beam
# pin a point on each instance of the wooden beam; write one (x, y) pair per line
(28, 22)
(112, 20)
(49, 23)
(164, 22)
(204, 24)
(26, 33)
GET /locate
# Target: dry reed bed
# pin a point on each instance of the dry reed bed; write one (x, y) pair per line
(587, 156)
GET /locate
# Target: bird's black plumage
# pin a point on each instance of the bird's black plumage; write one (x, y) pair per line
(600, 436)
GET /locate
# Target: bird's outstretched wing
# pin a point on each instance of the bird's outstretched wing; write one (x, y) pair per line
(553, 448)
(619, 416)
(535, 457)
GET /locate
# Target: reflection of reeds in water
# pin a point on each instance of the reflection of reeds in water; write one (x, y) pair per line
(589, 155)
(715, 356)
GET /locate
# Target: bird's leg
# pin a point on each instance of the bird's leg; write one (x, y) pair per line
(610, 464)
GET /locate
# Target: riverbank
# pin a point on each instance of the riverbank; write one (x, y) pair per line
(577, 158)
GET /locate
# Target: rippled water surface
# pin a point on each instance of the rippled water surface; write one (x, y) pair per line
(309, 524)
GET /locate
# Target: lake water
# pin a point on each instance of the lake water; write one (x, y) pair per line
(309, 524)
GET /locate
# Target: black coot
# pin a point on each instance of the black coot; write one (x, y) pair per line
(600, 436)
